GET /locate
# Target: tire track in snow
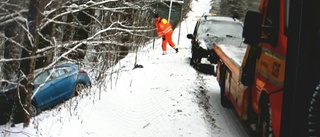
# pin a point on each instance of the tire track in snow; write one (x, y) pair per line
(203, 100)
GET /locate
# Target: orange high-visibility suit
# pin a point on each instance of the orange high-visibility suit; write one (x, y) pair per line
(165, 31)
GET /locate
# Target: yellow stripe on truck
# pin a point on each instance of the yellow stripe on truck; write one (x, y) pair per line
(272, 66)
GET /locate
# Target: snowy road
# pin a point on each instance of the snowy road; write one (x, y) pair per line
(224, 121)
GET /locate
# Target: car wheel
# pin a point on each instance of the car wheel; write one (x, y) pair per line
(265, 119)
(33, 110)
(195, 59)
(213, 57)
(78, 89)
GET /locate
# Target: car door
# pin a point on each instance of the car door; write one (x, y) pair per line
(44, 93)
(65, 79)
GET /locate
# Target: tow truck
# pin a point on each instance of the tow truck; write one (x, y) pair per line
(274, 82)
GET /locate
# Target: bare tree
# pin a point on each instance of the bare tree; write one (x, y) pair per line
(13, 24)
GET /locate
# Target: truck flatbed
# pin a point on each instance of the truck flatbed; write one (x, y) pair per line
(232, 53)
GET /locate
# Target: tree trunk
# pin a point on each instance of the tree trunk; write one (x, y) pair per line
(28, 66)
(15, 35)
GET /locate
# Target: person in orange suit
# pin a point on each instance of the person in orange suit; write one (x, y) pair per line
(165, 31)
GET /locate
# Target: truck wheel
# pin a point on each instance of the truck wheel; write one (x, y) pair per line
(265, 119)
(314, 114)
(225, 102)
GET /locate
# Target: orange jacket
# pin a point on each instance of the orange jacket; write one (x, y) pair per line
(163, 27)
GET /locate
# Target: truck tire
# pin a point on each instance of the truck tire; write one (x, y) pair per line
(265, 120)
(314, 114)
(225, 102)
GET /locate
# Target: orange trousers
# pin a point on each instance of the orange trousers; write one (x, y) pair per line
(167, 39)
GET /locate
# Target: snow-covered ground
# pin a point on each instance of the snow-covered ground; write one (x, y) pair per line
(165, 98)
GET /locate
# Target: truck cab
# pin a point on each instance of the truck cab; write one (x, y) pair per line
(255, 88)
(274, 89)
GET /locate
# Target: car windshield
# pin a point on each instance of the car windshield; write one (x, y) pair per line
(219, 29)
(53, 73)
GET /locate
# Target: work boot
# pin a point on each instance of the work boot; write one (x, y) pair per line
(177, 50)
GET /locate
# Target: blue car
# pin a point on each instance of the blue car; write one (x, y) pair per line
(56, 85)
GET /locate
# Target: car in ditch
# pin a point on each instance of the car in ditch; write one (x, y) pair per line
(211, 30)
(51, 87)
(56, 85)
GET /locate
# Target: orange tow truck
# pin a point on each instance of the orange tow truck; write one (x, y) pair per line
(271, 82)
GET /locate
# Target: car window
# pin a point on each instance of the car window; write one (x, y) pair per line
(69, 69)
(58, 72)
(41, 78)
(55, 73)
(220, 29)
